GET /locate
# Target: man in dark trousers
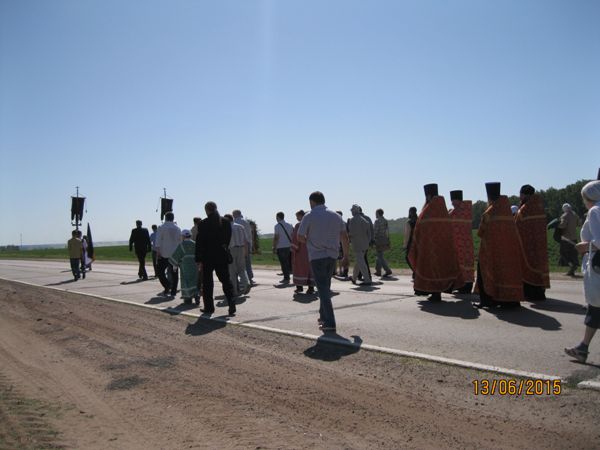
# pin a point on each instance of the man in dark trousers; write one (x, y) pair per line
(212, 244)
(140, 239)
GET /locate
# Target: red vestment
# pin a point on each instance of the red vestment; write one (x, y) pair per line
(531, 223)
(432, 255)
(500, 253)
(462, 224)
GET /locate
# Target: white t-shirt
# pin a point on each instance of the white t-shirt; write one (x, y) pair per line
(283, 241)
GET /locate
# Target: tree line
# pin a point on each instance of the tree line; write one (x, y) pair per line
(553, 201)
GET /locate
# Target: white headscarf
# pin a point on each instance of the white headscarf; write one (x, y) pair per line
(566, 207)
(592, 191)
(186, 234)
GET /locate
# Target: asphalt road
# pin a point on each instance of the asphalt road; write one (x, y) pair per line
(387, 314)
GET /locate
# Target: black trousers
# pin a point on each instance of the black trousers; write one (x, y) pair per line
(222, 271)
(154, 263)
(167, 276)
(141, 256)
(285, 260)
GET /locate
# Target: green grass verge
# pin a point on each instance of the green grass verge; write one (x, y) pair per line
(395, 256)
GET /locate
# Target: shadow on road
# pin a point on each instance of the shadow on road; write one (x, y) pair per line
(332, 347)
(283, 285)
(367, 288)
(175, 310)
(390, 278)
(560, 306)
(526, 317)
(139, 280)
(204, 326)
(305, 298)
(223, 301)
(462, 308)
(157, 300)
(60, 283)
(588, 371)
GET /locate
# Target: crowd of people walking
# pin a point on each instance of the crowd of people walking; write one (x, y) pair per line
(511, 265)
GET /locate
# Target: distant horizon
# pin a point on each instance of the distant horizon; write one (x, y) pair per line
(261, 234)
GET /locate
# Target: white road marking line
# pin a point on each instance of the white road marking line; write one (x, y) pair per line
(589, 384)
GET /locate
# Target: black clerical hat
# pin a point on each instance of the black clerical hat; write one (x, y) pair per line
(431, 190)
(527, 189)
(493, 190)
(456, 195)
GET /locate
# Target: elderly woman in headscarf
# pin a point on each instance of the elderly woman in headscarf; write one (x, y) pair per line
(588, 247)
(184, 258)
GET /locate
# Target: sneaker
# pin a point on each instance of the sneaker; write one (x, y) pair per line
(377, 274)
(579, 355)
(387, 274)
(298, 289)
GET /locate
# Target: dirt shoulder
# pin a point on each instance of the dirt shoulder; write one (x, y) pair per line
(97, 374)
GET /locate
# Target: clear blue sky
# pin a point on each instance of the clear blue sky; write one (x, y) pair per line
(254, 104)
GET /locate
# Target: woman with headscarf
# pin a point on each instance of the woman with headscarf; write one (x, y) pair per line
(300, 264)
(184, 258)
(588, 247)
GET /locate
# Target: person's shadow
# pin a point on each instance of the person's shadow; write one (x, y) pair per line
(175, 310)
(139, 280)
(332, 347)
(526, 317)
(204, 326)
(238, 300)
(390, 278)
(366, 288)
(305, 298)
(60, 283)
(157, 300)
(560, 306)
(462, 308)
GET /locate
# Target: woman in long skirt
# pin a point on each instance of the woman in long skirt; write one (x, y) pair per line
(300, 264)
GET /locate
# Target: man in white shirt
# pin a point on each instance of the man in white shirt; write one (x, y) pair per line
(237, 268)
(168, 238)
(238, 218)
(282, 243)
(360, 236)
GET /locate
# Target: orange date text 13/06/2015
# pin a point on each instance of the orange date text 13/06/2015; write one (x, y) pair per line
(525, 387)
